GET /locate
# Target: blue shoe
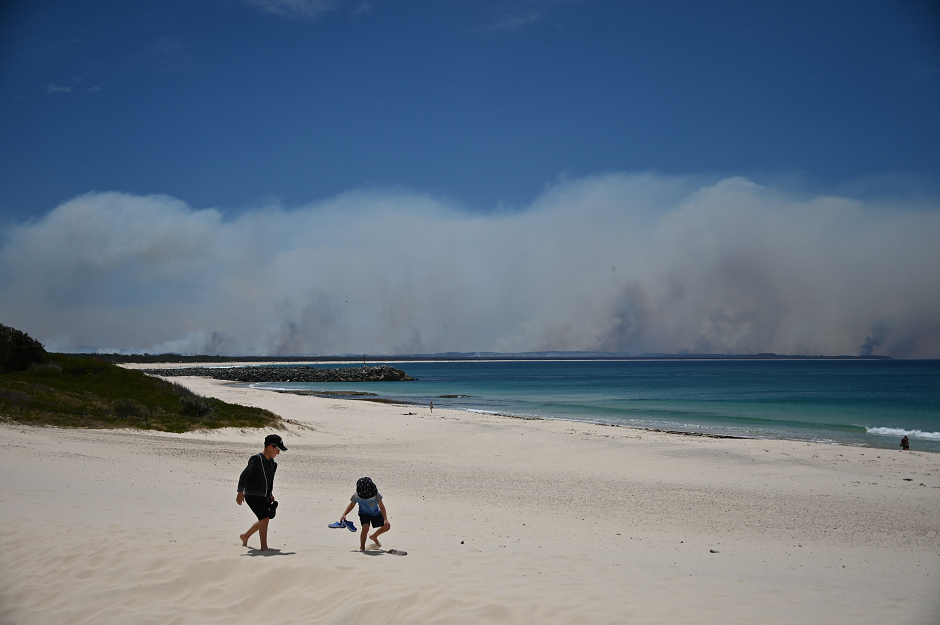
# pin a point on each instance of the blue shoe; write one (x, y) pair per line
(350, 526)
(337, 525)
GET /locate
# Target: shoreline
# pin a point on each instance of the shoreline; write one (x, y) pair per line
(359, 396)
(845, 430)
(353, 395)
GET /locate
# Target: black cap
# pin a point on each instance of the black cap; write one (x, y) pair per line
(274, 439)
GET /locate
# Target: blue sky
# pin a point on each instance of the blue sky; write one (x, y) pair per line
(143, 142)
(230, 103)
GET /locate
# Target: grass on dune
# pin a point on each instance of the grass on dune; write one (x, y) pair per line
(85, 392)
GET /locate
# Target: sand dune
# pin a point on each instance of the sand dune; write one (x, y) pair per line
(504, 521)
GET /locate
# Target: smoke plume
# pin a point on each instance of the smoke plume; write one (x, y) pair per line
(624, 263)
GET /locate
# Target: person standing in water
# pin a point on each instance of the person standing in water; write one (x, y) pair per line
(256, 486)
(905, 444)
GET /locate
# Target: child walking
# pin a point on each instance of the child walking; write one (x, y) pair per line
(371, 511)
(256, 486)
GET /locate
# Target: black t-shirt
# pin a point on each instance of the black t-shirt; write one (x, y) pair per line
(253, 478)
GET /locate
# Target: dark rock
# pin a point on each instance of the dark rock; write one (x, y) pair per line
(381, 373)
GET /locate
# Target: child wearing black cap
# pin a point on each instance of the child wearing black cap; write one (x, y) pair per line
(371, 511)
(256, 486)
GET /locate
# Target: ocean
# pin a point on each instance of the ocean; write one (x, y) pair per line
(869, 403)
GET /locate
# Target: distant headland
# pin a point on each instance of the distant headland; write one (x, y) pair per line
(548, 355)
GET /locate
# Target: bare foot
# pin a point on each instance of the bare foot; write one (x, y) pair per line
(375, 540)
(244, 538)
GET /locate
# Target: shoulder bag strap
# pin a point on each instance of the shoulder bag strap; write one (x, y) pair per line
(265, 474)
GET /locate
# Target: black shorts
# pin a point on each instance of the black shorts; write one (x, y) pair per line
(258, 505)
(377, 520)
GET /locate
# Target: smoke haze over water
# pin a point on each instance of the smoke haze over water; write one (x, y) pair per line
(626, 263)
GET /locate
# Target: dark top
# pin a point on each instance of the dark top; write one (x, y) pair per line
(252, 480)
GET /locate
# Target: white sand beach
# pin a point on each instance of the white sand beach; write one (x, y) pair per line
(503, 521)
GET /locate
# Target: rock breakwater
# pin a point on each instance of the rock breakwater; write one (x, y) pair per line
(381, 373)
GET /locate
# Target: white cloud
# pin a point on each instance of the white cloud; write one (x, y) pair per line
(50, 88)
(295, 8)
(518, 14)
(515, 21)
(363, 8)
(631, 263)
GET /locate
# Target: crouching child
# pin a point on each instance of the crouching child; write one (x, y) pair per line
(371, 511)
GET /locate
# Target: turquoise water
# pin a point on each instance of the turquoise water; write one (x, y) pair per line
(854, 402)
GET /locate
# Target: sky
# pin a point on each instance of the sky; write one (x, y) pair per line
(276, 177)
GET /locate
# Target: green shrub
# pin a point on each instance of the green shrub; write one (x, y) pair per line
(125, 408)
(18, 350)
(45, 369)
(16, 398)
(196, 407)
(86, 392)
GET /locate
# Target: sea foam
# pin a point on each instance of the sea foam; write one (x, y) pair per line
(900, 432)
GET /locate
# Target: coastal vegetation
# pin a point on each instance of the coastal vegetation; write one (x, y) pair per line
(40, 388)
(18, 350)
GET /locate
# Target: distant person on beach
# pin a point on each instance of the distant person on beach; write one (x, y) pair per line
(432, 406)
(371, 511)
(905, 444)
(256, 486)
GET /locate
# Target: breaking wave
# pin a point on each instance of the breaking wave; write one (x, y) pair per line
(900, 432)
